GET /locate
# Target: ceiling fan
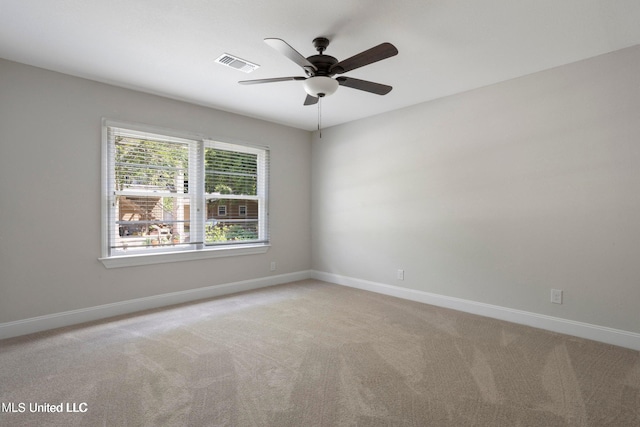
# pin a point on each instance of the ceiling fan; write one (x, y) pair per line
(321, 68)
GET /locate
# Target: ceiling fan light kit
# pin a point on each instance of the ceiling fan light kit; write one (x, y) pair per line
(319, 86)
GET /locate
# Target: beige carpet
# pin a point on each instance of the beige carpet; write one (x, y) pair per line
(311, 353)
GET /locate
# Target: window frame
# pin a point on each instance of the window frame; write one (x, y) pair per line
(198, 219)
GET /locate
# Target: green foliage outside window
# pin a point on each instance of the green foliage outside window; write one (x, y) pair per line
(149, 163)
(228, 233)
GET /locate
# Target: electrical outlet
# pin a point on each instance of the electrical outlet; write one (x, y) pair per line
(400, 275)
(273, 266)
(556, 296)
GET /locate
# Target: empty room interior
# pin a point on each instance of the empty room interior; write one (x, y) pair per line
(332, 213)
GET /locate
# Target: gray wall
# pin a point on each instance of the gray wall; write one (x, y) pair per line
(50, 140)
(495, 195)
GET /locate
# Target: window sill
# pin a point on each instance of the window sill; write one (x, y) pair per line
(161, 258)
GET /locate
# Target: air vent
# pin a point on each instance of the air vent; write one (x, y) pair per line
(237, 63)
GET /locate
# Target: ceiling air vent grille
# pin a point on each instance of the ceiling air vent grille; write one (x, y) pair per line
(237, 63)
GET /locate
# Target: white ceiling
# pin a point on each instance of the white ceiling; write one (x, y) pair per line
(168, 47)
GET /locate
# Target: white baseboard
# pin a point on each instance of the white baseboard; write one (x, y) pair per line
(569, 327)
(73, 317)
(579, 329)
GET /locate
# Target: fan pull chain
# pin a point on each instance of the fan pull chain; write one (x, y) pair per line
(319, 116)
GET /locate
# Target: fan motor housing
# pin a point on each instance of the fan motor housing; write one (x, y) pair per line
(323, 63)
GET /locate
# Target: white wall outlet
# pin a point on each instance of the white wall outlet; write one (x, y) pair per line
(273, 266)
(400, 274)
(556, 296)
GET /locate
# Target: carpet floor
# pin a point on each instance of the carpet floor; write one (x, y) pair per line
(311, 353)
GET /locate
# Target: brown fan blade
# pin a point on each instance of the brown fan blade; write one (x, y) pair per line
(364, 85)
(276, 79)
(375, 54)
(310, 100)
(284, 48)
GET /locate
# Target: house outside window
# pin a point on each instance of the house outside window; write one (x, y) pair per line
(170, 195)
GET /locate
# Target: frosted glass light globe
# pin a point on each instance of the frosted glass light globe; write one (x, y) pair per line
(319, 86)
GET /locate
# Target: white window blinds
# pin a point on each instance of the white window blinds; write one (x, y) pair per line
(166, 193)
(235, 177)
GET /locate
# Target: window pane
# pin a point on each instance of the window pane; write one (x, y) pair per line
(232, 227)
(230, 172)
(151, 221)
(150, 165)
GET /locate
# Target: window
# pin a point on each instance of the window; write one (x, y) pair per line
(242, 210)
(171, 196)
